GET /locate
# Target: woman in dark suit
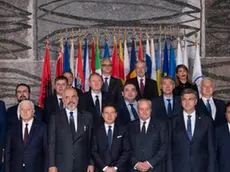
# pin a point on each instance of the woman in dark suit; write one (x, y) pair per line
(183, 81)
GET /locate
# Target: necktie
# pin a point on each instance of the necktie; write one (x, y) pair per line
(97, 105)
(26, 133)
(143, 130)
(189, 127)
(134, 112)
(110, 136)
(142, 87)
(209, 106)
(71, 123)
(61, 103)
(106, 85)
(169, 109)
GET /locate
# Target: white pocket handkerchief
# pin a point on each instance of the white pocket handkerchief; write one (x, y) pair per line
(119, 136)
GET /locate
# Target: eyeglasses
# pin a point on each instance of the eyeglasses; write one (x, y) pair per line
(106, 65)
(189, 99)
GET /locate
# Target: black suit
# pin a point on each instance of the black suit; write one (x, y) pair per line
(197, 155)
(159, 110)
(12, 115)
(151, 147)
(223, 148)
(33, 155)
(220, 111)
(115, 89)
(64, 153)
(120, 151)
(150, 88)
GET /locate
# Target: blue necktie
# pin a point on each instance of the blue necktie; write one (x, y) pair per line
(169, 108)
(134, 112)
(189, 127)
(71, 123)
(209, 106)
(106, 85)
(110, 136)
(97, 105)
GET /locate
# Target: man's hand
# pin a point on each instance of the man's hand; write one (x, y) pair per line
(53, 169)
(90, 168)
(110, 169)
(146, 165)
(141, 166)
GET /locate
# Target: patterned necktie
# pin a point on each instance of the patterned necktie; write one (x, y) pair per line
(208, 105)
(142, 87)
(97, 105)
(134, 112)
(110, 137)
(189, 127)
(169, 109)
(143, 130)
(61, 103)
(26, 133)
(106, 85)
(72, 125)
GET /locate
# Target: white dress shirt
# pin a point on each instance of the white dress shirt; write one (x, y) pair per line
(193, 120)
(108, 80)
(212, 104)
(74, 117)
(229, 126)
(139, 81)
(99, 97)
(58, 99)
(24, 126)
(146, 124)
(129, 109)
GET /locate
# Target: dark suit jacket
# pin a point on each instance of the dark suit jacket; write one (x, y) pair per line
(223, 148)
(151, 147)
(150, 90)
(115, 88)
(12, 115)
(2, 123)
(87, 104)
(120, 151)
(197, 155)
(159, 110)
(33, 155)
(65, 153)
(220, 111)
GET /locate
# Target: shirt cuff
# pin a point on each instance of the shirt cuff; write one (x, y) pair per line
(135, 167)
(149, 164)
(104, 168)
(115, 168)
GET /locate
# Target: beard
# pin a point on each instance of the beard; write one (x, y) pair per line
(71, 106)
(21, 98)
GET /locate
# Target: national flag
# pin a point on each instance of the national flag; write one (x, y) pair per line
(185, 53)
(45, 88)
(93, 65)
(66, 63)
(148, 59)
(72, 59)
(79, 69)
(158, 67)
(115, 60)
(59, 63)
(126, 60)
(133, 61)
(179, 59)
(165, 61)
(106, 50)
(97, 59)
(140, 51)
(121, 62)
(86, 66)
(172, 62)
(153, 59)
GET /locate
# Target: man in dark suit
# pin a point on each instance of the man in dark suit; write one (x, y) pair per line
(95, 99)
(23, 92)
(110, 84)
(54, 102)
(167, 105)
(69, 137)
(209, 106)
(26, 147)
(111, 146)
(149, 138)
(127, 107)
(192, 138)
(2, 129)
(223, 142)
(146, 88)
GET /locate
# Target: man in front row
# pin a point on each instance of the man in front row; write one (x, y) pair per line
(26, 147)
(111, 146)
(192, 140)
(69, 136)
(149, 139)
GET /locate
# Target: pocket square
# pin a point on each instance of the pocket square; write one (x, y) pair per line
(119, 136)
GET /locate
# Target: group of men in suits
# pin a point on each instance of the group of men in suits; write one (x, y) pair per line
(115, 127)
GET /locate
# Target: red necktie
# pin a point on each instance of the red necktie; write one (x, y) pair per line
(142, 87)
(26, 133)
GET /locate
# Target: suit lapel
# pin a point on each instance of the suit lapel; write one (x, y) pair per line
(138, 87)
(197, 126)
(65, 123)
(19, 133)
(31, 133)
(126, 112)
(204, 108)
(182, 126)
(111, 84)
(163, 105)
(146, 85)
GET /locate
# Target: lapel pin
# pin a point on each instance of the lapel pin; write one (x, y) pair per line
(84, 128)
(199, 117)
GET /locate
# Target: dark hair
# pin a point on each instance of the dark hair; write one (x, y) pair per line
(68, 72)
(227, 105)
(185, 68)
(168, 77)
(128, 83)
(22, 84)
(109, 105)
(58, 78)
(189, 91)
(96, 74)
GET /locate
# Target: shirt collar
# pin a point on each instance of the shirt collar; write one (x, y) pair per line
(30, 122)
(106, 77)
(165, 98)
(193, 114)
(59, 97)
(107, 125)
(134, 103)
(205, 99)
(68, 111)
(94, 94)
(140, 78)
(147, 120)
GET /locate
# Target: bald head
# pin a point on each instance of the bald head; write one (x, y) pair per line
(106, 67)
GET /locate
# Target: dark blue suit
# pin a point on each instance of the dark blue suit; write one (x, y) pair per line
(120, 151)
(2, 127)
(12, 115)
(33, 155)
(159, 110)
(223, 148)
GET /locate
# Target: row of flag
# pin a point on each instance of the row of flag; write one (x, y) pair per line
(122, 65)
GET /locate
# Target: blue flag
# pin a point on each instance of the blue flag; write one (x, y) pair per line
(106, 50)
(165, 62)
(66, 63)
(172, 65)
(148, 60)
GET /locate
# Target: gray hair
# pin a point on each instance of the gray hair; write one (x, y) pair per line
(206, 79)
(24, 102)
(144, 100)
